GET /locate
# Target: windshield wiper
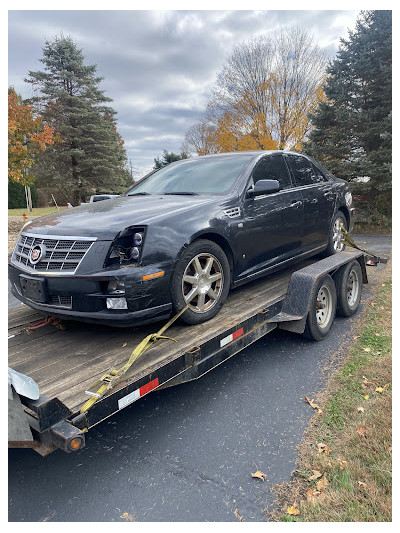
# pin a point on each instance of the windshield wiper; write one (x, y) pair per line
(186, 193)
(139, 193)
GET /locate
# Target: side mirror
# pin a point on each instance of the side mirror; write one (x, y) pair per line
(264, 187)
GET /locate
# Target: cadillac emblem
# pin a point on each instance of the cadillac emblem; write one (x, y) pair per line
(37, 253)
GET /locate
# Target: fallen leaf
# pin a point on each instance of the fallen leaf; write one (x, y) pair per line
(316, 475)
(313, 405)
(128, 517)
(366, 396)
(363, 386)
(125, 344)
(311, 493)
(379, 389)
(377, 335)
(259, 475)
(361, 483)
(360, 409)
(292, 510)
(387, 447)
(362, 432)
(322, 483)
(342, 464)
(324, 448)
(386, 386)
(238, 516)
(367, 349)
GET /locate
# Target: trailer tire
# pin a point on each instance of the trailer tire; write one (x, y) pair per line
(191, 275)
(322, 309)
(348, 281)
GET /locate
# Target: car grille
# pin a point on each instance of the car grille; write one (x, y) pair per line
(60, 301)
(62, 254)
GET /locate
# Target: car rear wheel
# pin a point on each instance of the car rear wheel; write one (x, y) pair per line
(336, 237)
(201, 280)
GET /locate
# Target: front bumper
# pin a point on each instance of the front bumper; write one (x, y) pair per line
(84, 296)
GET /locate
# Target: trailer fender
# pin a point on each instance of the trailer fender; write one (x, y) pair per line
(297, 302)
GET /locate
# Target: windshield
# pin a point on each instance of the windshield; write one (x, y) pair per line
(194, 176)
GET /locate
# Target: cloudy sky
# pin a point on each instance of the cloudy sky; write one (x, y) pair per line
(157, 65)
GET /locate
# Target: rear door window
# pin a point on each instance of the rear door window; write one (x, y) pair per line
(304, 172)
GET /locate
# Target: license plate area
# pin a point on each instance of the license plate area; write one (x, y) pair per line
(33, 288)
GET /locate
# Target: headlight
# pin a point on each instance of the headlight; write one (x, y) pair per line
(138, 239)
(127, 246)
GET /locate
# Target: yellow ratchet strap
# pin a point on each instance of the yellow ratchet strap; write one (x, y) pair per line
(110, 378)
(349, 241)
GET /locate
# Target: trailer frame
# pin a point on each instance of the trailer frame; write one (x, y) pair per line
(54, 425)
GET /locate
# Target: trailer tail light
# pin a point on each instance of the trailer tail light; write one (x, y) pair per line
(231, 337)
(75, 443)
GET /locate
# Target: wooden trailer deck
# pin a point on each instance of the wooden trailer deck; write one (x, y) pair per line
(65, 363)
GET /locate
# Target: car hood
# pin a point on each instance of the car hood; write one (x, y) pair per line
(104, 220)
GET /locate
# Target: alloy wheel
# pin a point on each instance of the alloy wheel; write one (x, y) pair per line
(338, 237)
(202, 282)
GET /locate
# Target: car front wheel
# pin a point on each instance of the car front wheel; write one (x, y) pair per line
(201, 280)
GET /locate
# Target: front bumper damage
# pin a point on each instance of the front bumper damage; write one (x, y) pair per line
(83, 297)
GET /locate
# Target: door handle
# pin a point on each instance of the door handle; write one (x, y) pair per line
(296, 204)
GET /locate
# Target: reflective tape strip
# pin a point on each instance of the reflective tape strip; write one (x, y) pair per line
(231, 337)
(136, 394)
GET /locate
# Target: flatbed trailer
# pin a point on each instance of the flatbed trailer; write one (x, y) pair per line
(65, 362)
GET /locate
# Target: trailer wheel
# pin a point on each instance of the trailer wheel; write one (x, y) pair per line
(322, 310)
(202, 280)
(348, 282)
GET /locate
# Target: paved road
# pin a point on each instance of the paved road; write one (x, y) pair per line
(187, 453)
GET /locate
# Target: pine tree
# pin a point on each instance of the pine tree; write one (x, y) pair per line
(169, 157)
(352, 129)
(90, 155)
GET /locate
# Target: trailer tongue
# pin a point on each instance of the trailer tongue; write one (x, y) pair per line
(65, 362)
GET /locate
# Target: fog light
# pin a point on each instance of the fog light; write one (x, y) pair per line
(138, 239)
(116, 303)
(134, 253)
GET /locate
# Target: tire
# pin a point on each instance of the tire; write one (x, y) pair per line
(205, 291)
(348, 281)
(320, 319)
(335, 243)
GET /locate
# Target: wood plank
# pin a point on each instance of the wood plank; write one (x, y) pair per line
(64, 363)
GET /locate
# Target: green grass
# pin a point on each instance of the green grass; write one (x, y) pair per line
(37, 211)
(360, 491)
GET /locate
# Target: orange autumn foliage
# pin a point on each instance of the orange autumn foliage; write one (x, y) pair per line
(27, 136)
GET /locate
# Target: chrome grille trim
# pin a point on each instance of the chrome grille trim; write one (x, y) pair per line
(63, 254)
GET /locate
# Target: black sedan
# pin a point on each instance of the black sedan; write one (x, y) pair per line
(185, 234)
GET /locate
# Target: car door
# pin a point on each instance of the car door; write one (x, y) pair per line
(272, 223)
(319, 200)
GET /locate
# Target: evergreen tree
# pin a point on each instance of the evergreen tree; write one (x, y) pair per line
(90, 155)
(169, 157)
(352, 129)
